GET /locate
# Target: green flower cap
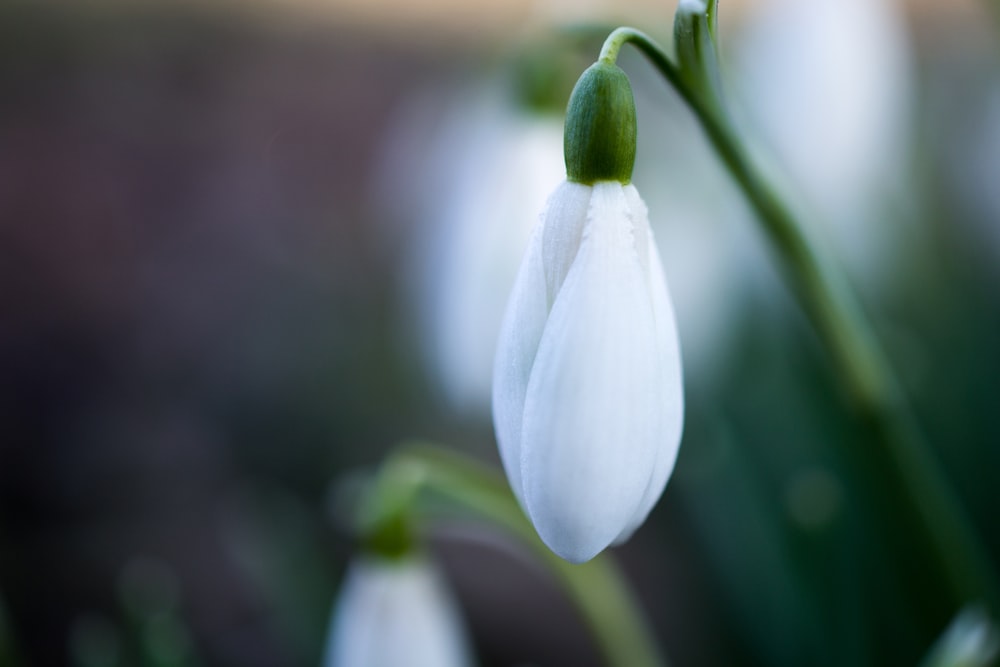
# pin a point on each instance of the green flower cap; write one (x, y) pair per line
(599, 140)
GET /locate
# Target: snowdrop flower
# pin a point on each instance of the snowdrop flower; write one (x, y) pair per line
(587, 393)
(395, 612)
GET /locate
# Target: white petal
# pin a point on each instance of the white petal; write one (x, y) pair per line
(525, 319)
(668, 359)
(395, 612)
(562, 229)
(594, 415)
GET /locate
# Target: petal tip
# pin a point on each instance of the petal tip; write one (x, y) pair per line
(569, 535)
(575, 552)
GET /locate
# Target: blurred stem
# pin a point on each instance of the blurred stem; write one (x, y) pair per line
(597, 588)
(971, 640)
(822, 292)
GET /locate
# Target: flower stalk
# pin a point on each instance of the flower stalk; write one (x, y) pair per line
(821, 290)
(417, 471)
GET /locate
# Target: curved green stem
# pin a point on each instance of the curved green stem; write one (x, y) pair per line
(619, 37)
(822, 292)
(597, 587)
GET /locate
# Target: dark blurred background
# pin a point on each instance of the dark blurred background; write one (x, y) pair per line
(210, 222)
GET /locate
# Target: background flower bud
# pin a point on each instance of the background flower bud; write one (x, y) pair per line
(395, 612)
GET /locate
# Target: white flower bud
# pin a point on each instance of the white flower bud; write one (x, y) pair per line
(395, 612)
(587, 391)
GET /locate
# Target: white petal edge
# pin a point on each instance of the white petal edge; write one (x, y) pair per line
(524, 321)
(593, 412)
(562, 230)
(671, 371)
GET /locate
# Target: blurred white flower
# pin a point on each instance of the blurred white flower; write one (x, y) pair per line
(970, 641)
(828, 85)
(968, 137)
(395, 612)
(476, 183)
(587, 395)
(715, 261)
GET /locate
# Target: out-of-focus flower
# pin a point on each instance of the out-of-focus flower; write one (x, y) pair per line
(967, 137)
(587, 396)
(716, 263)
(471, 189)
(828, 85)
(970, 641)
(394, 612)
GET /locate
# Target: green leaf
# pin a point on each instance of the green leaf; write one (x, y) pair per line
(695, 39)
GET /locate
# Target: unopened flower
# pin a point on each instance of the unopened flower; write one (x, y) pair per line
(395, 612)
(587, 393)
